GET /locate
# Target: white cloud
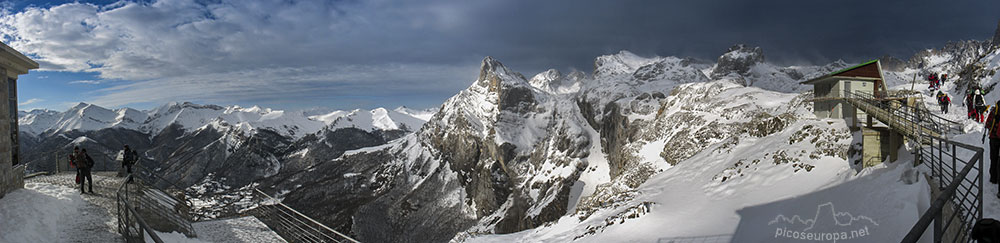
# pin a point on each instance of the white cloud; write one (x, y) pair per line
(229, 48)
(86, 82)
(30, 101)
(290, 84)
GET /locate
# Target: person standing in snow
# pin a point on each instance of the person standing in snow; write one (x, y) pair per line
(944, 101)
(968, 104)
(85, 163)
(993, 128)
(979, 103)
(944, 78)
(129, 157)
(932, 79)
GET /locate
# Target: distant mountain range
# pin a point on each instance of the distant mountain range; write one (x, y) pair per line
(167, 135)
(88, 117)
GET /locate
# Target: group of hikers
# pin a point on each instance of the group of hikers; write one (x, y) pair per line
(936, 81)
(84, 164)
(975, 103)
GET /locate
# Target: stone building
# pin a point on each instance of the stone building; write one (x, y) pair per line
(12, 64)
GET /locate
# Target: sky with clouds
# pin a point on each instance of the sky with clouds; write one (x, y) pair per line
(347, 54)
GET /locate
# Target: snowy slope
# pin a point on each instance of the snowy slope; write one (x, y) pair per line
(37, 121)
(376, 119)
(424, 115)
(741, 164)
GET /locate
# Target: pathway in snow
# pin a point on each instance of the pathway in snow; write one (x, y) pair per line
(51, 209)
(957, 112)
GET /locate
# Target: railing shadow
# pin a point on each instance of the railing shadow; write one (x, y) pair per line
(697, 239)
(845, 212)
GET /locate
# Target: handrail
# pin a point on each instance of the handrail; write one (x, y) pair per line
(297, 216)
(934, 212)
(290, 222)
(126, 212)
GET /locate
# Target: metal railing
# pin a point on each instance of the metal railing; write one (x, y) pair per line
(131, 226)
(137, 204)
(291, 224)
(957, 168)
(288, 223)
(959, 205)
(159, 201)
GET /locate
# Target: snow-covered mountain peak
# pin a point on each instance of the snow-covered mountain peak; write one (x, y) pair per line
(737, 61)
(493, 76)
(553, 81)
(375, 119)
(192, 117)
(42, 118)
(545, 79)
(624, 62)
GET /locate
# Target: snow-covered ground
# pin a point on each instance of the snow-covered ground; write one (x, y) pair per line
(43, 212)
(685, 203)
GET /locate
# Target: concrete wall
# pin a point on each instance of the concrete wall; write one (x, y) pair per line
(828, 108)
(878, 144)
(841, 109)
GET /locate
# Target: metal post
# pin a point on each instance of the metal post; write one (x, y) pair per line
(953, 163)
(979, 156)
(954, 168)
(938, 232)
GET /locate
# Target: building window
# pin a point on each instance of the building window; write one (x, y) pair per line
(15, 146)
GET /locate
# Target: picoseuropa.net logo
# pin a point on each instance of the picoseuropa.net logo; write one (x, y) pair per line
(826, 225)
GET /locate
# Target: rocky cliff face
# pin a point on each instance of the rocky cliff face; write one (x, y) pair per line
(509, 154)
(996, 36)
(737, 62)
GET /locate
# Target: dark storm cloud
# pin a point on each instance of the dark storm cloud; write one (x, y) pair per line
(420, 52)
(556, 34)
